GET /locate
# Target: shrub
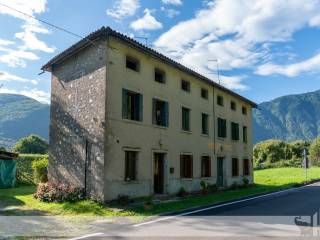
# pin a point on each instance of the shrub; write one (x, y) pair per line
(182, 192)
(245, 181)
(203, 185)
(24, 167)
(40, 170)
(123, 200)
(315, 152)
(47, 192)
(32, 144)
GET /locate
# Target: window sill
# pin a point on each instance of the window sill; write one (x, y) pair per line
(132, 121)
(206, 178)
(221, 139)
(159, 126)
(204, 135)
(185, 131)
(186, 179)
(131, 70)
(131, 182)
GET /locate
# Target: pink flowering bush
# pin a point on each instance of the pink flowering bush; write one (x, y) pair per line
(49, 192)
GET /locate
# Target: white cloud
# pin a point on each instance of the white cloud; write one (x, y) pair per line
(234, 31)
(234, 82)
(16, 58)
(291, 70)
(170, 12)
(39, 95)
(31, 42)
(7, 77)
(123, 8)
(31, 28)
(5, 42)
(174, 2)
(147, 22)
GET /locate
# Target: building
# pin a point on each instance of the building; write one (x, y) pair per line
(126, 120)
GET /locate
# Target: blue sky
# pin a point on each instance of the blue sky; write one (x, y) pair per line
(265, 49)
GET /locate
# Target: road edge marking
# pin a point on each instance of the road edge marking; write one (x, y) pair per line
(87, 236)
(220, 205)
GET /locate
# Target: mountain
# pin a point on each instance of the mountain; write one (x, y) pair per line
(21, 116)
(289, 118)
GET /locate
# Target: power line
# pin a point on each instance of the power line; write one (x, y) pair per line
(45, 22)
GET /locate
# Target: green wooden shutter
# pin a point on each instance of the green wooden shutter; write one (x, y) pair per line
(181, 166)
(166, 113)
(224, 122)
(187, 119)
(124, 104)
(237, 131)
(154, 111)
(141, 108)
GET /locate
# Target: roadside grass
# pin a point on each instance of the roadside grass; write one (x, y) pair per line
(267, 180)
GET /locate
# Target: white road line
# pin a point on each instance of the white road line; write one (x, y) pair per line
(87, 236)
(218, 206)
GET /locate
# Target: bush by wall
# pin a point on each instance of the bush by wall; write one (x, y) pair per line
(24, 167)
(48, 192)
(40, 170)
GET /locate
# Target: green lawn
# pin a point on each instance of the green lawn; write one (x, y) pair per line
(268, 180)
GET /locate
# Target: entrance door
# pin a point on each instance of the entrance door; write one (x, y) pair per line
(158, 171)
(220, 171)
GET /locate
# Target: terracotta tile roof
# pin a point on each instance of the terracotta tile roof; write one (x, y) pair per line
(104, 32)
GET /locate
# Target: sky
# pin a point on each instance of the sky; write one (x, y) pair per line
(263, 49)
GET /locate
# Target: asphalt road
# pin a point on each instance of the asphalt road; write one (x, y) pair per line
(285, 215)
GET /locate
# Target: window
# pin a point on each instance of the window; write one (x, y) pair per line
(235, 167)
(160, 113)
(186, 166)
(235, 131)
(159, 75)
(205, 166)
(132, 63)
(131, 105)
(205, 121)
(246, 167)
(220, 100)
(185, 119)
(130, 165)
(204, 93)
(185, 85)
(222, 128)
(233, 106)
(244, 110)
(244, 134)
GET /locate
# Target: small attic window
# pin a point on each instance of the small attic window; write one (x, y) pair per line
(132, 63)
(159, 75)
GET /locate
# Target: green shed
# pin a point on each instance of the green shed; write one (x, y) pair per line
(7, 169)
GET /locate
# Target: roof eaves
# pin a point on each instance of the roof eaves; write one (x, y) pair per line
(107, 31)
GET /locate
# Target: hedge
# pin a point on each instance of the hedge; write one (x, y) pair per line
(24, 167)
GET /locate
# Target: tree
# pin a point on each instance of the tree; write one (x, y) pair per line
(3, 149)
(31, 144)
(315, 152)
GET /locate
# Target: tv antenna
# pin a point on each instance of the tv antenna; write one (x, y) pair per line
(218, 71)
